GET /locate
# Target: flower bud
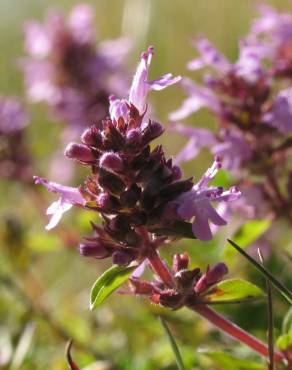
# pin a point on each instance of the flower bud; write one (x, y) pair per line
(91, 137)
(133, 136)
(211, 277)
(93, 249)
(121, 258)
(111, 182)
(151, 132)
(107, 202)
(80, 152)
(111, 161)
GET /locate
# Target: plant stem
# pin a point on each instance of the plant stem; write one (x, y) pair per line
(235, 331)
(216, 319)
(160, 268)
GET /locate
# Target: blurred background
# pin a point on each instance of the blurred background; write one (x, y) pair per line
(44, 283)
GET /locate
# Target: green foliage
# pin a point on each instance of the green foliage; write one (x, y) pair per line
(108, 282)
(276, 283)
(227, 361)
(233, 290)
(250, 232)
(285, 340)
(173, 345)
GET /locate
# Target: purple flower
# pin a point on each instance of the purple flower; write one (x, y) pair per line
(280, 114)
(209, 57)
(199, 97)
(69, 197)
(66, 70)
(13, 117)
(232, 148)
(15, 161)
(228, 144)
(272, 32)
(140, 87)
(197, 203)
(198, 138)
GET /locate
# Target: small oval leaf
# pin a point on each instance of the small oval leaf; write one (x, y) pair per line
(108, 282)
(233, 290)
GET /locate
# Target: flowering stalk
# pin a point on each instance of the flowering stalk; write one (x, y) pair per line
(253, 107)
(145, 203)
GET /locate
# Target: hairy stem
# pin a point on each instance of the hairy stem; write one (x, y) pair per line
(235, 331)
(160, 268)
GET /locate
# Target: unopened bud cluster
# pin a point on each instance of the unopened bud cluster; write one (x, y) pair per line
(189, 285)
(130, 186)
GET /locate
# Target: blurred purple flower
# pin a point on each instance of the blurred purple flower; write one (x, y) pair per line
(228, 144)
(14, 155)
(272, 31)
(65, 69)
(280, 114)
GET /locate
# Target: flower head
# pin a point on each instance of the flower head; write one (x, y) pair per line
(65, 69)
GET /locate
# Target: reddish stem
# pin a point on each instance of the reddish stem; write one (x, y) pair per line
(235, 331)
(160, 268)
(219, 321)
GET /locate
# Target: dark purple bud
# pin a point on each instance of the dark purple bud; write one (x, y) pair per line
(93, 249)
(111, 182)
(91, 137)
(116, 139)
(121, 258)
(216, 273)
(180, 262)
(133, 136)
(111, 161)
(131, 196)
(211, 277)
(107, 202)
(80, 152)
(151, 132)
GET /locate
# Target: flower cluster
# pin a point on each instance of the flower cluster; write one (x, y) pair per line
(253, 108)
(14, 155)
(65, 69)
(188, 287)
(141, 196)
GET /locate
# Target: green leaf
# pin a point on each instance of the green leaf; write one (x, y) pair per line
(277, 284)
(284, 341)
(228, 362)
(108, 282)
(250, 232)
(233, 290)
(173, 345)
(287, 322)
